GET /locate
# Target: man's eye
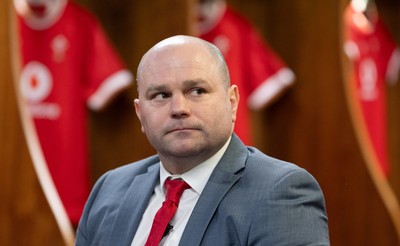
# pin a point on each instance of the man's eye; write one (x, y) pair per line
(160, 96)
(197, 91)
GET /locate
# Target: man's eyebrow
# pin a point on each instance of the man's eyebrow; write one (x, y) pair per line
(194, 82)
(186, 83)
(155, 88)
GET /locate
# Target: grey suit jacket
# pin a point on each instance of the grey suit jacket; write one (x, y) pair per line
(250, 199)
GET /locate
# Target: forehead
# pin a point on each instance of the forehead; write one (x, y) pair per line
(179, 55)
(177, 62)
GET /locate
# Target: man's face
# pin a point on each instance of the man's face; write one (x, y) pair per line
(184, 106)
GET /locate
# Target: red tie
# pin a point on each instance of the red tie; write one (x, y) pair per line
(175, 188)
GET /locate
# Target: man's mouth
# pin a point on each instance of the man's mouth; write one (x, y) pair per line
(181, 129)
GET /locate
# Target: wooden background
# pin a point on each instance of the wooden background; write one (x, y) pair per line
(25, 215)
(309, 125)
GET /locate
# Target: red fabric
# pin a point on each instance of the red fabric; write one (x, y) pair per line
(250, 61)
(371, 48)
(63, 65)
(163, 216)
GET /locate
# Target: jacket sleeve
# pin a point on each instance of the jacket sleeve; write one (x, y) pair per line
(297, 206)
(84, 227)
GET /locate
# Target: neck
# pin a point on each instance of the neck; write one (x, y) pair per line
(180, 165)
(175, 164)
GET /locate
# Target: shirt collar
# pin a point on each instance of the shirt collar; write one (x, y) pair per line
(198, 176)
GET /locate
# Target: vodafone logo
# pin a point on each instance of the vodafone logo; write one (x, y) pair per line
(36, 85)
(36, 82)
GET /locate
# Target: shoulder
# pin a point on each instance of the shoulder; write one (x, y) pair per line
(114, 184)
(110, 195)
(272, 172)
(257, 159)
(126, 173)
(258, 169)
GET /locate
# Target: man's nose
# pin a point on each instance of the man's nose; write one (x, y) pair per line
(179, 106)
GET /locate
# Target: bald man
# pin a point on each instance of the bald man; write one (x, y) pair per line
(237, 195)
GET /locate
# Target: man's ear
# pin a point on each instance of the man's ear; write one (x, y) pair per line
(137, 110)
(137, 107)
(234, 98)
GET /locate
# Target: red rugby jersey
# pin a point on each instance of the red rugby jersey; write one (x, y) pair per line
(68, 66)
(375, 59)
(255, 68)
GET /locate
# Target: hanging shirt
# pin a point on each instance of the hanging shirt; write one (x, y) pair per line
(375, 59)
(259, 73)
(68, 65)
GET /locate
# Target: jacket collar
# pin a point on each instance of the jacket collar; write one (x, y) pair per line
(133, 206)
(225, 175)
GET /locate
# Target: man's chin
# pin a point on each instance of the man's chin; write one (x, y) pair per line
(184, 148)
(183, 137)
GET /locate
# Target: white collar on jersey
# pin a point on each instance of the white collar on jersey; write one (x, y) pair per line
(40, 14)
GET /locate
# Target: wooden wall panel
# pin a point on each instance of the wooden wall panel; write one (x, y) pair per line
(310, 125)
(390, 13)
(25, 215)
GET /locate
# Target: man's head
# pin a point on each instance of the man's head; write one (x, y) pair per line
(186, 104)
(179, 42)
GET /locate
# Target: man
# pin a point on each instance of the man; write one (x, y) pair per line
(237, 195)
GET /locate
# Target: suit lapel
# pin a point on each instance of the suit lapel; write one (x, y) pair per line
(224, 176)
(133, 206)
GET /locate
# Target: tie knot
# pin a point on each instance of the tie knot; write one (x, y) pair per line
(175, 188)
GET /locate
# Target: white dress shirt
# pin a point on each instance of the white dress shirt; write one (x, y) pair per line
(197, 179)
